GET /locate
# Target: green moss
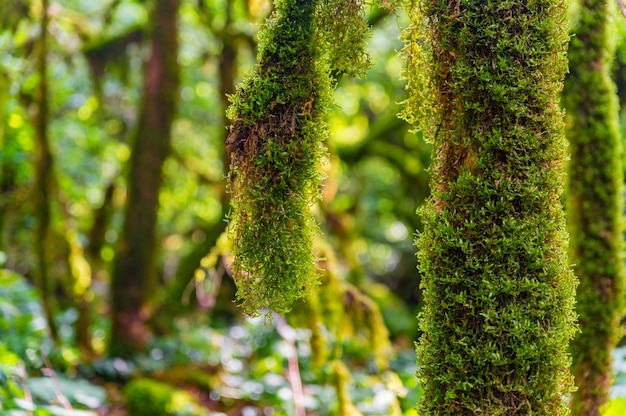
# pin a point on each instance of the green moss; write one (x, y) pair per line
(276, 150)
(498, 292)
(344, 34)
(275, 146)
(146, 397)
(595, 202)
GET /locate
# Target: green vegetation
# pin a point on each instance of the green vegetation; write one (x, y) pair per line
(276, 152)
(148, 397)
(498, 293)
(595, 203)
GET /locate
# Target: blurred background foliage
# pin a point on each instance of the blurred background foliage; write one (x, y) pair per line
(203, 356)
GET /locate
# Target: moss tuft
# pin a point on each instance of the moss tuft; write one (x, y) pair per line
(275, 147)
(344, 33)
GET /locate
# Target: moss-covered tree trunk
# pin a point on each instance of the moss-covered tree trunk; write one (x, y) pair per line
(498, 292)
(133, 272)
(595, 203)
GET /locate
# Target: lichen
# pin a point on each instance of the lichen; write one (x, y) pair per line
(149, 397)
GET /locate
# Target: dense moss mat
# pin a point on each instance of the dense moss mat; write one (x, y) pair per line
(595, 202)
(484, 79)
(276, 146)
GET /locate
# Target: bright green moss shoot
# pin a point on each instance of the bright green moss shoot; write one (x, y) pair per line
(276, 146)
(484, 78)
(595, 203)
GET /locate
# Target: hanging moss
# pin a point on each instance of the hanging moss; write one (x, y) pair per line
(276, 149)
(595, 203)
(340, 314)
(498, 294)
(344, 34)
(340, 317)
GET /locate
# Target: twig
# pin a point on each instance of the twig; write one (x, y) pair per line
(21, 373)
(293, 370)
(48, 371)
(206, 297)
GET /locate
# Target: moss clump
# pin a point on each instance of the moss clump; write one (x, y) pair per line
(149, 398)
(276, 150)
(498, 293)
(341, 378)
(595, 203)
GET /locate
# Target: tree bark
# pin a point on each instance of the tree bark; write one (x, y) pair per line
(7, 175)
(133, 276)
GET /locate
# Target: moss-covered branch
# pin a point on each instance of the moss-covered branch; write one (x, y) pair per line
(498, 292)
(276, 147)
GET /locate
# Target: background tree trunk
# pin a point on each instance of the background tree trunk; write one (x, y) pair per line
(595, 204)
(133, 275)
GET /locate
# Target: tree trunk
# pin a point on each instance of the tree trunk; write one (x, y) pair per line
(498, 293)
(7, 175)
(133, 277)
(595, 204)
(43, 172)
